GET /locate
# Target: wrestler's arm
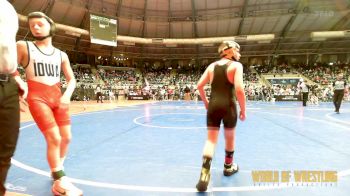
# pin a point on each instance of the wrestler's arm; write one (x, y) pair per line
(239, 88)
(71, 82)
(200, 86)
(21, 54)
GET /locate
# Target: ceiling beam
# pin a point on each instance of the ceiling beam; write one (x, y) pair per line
(66, 13)
(243, 14)
(298, 8)
(341, 22)
(143, 25)
(48, 9)
(169, 19)
(194, 14)
(144, 19)
(119, 6)
(195, 29)
(26, 6)
(83, 23)
(169, 23)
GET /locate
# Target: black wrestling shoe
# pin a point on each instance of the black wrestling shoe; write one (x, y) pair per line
(230, 169)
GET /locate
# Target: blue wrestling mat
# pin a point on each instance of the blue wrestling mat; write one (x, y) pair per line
(156, 149)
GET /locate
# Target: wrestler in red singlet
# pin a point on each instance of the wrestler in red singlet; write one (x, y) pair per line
(49, 107)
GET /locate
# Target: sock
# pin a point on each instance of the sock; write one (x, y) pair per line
(229, 157)
(56, 169)
(62, 160)
(206, 162)
(58, 174)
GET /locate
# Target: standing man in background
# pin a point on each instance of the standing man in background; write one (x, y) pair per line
(10, 83)
(99, 93)
(304, 90)
(339, 86)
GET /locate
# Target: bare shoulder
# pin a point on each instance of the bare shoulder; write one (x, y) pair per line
(64, 56)
(211, 66)
(235, 65)
(21, 43)
(21, 47)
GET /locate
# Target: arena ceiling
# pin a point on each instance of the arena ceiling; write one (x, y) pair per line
(291, 22)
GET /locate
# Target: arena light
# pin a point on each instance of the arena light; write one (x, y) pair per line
(73, 33)
(129, 43)
(262, 37)
(207, 45)
(157, 40)
(347, 33)
(318, 39)
(213, 40)
(264, 42)
(240, 38)
(171, 45)
(138, 40)
(328, 34)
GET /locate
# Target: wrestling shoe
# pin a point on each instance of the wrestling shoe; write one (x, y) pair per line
(63, 187)
(203, 182)
(230, 169)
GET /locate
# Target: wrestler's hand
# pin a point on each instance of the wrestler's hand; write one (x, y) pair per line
(242, 115)
(23, 105)
(65, 100)
(206, 103)
(23, 87)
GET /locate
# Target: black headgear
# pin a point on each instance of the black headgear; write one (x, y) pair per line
(42, 15)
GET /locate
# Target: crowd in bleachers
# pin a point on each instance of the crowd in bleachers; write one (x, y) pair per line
(322, 75)
(174, 84)
(267, 68)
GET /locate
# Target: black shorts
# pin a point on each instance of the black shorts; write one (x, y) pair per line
(217, 112)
